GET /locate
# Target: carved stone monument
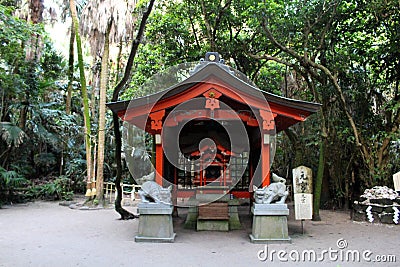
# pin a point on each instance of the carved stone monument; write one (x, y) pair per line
(396, 181)
(303, 188)
(270, 213)
(155, 220)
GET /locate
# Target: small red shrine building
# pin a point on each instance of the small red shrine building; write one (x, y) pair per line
(195, 121)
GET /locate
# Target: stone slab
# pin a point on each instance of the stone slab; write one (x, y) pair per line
(359, 216)
(270, 209)
(155, 239)
(213, 225)
(211, 197)
(387, 218)
(269, 240)
(154, 208)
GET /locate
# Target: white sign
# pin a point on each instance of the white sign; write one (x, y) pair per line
(396, 181)
(302, 188)
(303, 206)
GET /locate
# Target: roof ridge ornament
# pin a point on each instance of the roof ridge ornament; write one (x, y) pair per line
(214, 57)
(211, 57)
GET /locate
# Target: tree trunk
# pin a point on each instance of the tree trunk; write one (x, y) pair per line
(126, 215)
(94, 81)
(102, 118)
(23, 115)
(33, 49)
(297, 149)
(85, 99)
(119, 57)
(318, 181)
(70, 70)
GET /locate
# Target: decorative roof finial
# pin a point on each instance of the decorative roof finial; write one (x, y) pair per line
(213, 57)
(210, 57)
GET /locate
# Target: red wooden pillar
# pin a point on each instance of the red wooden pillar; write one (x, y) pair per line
(266, 134)
(156, 125)
(159, 164)
(265, 158)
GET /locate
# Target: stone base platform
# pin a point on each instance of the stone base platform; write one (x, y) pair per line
(212, 225)
(269, 223)
(155, 223)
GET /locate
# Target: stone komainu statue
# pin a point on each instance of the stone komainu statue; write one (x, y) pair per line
(274, 193)
(153, 192)
(145, 178)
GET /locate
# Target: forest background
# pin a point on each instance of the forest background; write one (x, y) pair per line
(56, 74)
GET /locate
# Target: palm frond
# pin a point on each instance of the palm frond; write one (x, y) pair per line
(11, 134)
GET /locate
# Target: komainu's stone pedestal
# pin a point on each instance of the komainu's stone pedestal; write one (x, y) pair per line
(155, 223)
(269, 223)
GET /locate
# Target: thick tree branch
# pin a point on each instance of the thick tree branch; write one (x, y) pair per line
(304, 61)
(342, 99)
(193, 27)
(268, 57)
(284, 48)
(220, 15)
(208, 26)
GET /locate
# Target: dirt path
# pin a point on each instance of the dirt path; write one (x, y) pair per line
(46, 234)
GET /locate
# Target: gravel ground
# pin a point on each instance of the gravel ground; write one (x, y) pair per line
(47, 234)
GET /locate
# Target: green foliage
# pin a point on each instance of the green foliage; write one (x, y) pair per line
(58, 189)
(355, 40)
(52, 64)
(45, 161)
(9, 3)
(14, 33)
(9, 181)
(48, 139)
(174, 37)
